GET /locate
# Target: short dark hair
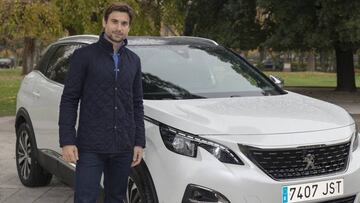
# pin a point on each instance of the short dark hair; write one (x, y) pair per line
(120, 7)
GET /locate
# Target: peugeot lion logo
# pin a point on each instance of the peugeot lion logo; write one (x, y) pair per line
(310, 161)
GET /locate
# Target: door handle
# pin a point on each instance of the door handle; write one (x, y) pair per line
(36, 94)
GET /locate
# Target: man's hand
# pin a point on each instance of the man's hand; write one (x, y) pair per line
(138, 153)
(70, 153)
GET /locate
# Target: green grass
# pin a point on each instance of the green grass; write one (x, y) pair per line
(310, 79)
(9, 86)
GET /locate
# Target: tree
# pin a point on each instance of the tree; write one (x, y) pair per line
(173, 14)
(85, 16)
(6, 38)
(73, 15)
(42, 21)
(82, 16)
(319, 24)
(29, 21)
(157, 14)
(232, 23)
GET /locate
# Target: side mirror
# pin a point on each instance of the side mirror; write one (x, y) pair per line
(277, 80)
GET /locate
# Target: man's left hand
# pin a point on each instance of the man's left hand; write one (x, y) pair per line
(138, 154)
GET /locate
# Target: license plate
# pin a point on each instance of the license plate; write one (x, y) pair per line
(312, 191)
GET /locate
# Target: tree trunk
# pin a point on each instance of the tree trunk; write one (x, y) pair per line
(262, 54)
(273, 59)
(311, 61)
(301, 58)
(28, 55)
(345, 70)
(288, 57)
(188, 25)
(157, 19)
(71, 30)
(323, 61)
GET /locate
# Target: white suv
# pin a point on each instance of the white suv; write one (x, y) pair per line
(217, 130)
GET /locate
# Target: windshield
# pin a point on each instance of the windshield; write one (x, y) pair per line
(189, 72)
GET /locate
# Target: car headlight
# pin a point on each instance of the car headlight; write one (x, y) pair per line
(186, 144)
(356, 139)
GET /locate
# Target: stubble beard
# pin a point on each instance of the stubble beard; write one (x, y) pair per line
(116, 40)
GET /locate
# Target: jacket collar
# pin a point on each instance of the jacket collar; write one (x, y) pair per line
(108, 46)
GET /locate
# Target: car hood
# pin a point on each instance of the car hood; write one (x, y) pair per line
(288, 113)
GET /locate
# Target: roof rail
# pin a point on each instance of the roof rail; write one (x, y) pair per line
(77, 37)
(201, 38)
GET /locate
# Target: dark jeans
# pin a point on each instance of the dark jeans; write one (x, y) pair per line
(89, 167)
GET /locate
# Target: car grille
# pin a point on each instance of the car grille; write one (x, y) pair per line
(342, 200)
(299, 162)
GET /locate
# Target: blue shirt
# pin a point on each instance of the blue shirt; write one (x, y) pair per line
(116, 61)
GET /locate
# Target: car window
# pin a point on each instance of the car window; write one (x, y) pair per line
(188, 71)
(59, 62)
(44, 59)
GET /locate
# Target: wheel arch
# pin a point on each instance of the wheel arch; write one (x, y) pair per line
(22, 116)
(143, 166)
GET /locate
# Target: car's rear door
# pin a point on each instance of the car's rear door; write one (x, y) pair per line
(48, 92)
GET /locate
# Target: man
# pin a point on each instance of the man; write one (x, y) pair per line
(106, 78)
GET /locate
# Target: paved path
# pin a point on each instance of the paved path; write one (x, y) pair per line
(12, 191)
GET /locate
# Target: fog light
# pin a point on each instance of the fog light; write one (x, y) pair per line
(199, 194)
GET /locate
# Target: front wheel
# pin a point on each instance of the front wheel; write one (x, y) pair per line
(30, 172)
(140, 186)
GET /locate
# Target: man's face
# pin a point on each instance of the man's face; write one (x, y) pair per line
(117, 26)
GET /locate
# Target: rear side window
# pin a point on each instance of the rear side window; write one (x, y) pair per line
(44, 59)
(58, 64)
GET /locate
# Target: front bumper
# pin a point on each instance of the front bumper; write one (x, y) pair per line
(172, 173)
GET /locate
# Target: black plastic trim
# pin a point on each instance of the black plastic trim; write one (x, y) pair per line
(151, 120)
(53, 163)
(191, 187)
(144, 167)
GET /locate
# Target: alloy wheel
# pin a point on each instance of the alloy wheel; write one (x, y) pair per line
(132, 193)
(24, 154)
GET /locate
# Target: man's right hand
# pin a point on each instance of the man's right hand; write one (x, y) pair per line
(70, 153)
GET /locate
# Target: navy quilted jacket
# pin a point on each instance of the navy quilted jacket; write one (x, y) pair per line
(111, 108)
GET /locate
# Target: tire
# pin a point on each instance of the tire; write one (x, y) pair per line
(140, 186)
(30, 172)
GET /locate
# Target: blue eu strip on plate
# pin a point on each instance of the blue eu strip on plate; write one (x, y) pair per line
(285, 194)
